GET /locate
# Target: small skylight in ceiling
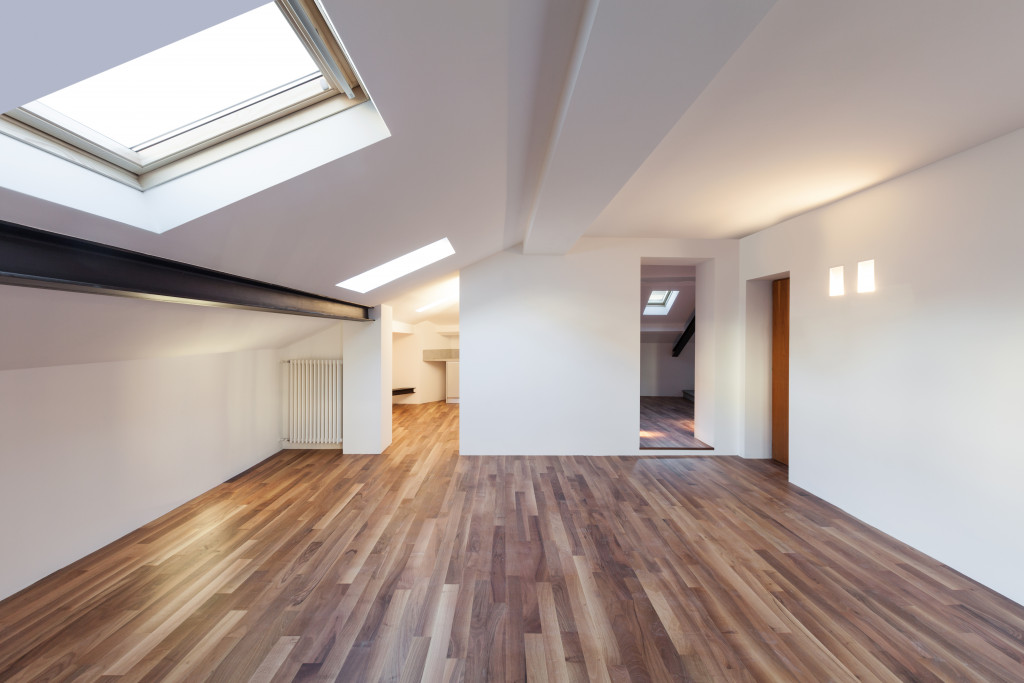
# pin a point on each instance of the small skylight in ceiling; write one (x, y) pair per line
(660, 305)
(657, 297)
(269, 65)
(396, 268)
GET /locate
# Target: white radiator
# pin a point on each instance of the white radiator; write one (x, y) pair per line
(312, 402)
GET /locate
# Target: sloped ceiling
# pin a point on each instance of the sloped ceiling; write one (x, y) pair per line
(495, 108)
(823, 100)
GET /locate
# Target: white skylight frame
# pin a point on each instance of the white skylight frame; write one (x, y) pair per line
(662, 308)
(658, 297)
(219, 135)
(399, 267)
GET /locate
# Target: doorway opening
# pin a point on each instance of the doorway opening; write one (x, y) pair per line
(780, 371)
(668, 342)
(425, 352)
(766, 431)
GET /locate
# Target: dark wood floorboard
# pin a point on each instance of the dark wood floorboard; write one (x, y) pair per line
(421, 565)
(666, 422)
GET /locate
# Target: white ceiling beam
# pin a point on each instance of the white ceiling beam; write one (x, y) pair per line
(636, 68)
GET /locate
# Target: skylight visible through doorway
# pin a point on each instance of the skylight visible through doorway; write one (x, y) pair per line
(657, 297)
(221, 91)
(660, 302)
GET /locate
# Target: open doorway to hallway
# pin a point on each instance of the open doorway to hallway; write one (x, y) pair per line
(425, 346)
(667, 357)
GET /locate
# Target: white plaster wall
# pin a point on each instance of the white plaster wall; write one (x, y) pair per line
(550, 348)
(905, 404)
(431, 376)
(661, 374)
(757, 364)
(90, 452)
(327, 344)
(366, 414)
(406, 358)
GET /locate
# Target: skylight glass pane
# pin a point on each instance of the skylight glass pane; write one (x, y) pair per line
(655, 308)
(658, 297)
(396, 268)
(189, 80)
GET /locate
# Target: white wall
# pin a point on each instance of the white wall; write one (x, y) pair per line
(366, 414)
(326, 344)
(406, 358)
(661, 374)
(757, 364)
(906, 403)
(550, 350)
(90, 452)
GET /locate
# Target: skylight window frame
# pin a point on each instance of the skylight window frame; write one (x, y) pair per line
(221, 134)
(660, 300)
(664, 307)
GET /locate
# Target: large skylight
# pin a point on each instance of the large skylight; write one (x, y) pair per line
(235, 85)
(238, 61)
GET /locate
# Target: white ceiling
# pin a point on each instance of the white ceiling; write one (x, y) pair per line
(823, 100)
(556, 118)
(445, 289)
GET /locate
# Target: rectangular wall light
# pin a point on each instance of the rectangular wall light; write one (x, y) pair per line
(866, 276)
(836, 281)
(396, 268)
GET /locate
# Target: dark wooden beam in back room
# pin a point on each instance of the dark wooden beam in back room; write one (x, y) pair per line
(35, 258)
(686, 336)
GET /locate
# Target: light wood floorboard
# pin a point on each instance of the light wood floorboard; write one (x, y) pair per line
(422, 565)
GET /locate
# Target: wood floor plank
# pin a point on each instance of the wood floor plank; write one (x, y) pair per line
(666, 422)
(421, 565)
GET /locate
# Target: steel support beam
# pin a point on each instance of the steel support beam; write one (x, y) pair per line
(46, 260)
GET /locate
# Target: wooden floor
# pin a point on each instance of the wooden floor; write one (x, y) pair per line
(666, 422)
(420, 565)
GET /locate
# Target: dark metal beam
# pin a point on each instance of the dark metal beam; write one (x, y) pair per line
(36, 258)
(686, 336)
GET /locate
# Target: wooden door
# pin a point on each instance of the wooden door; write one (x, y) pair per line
(780, 370)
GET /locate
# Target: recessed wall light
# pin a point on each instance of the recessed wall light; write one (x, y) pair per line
(396, 268)
(836, 281)
(866, 276)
